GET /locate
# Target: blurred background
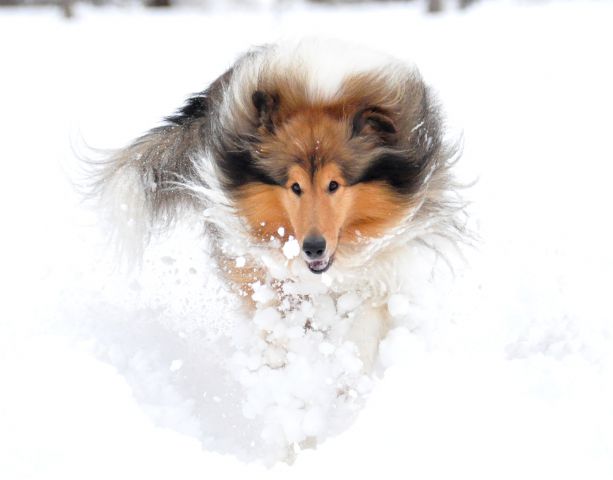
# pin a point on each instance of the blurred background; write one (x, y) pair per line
(67, 7)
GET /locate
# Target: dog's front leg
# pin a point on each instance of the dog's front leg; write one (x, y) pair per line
(370, 325)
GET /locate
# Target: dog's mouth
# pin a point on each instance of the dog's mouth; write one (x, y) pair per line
(320, 266)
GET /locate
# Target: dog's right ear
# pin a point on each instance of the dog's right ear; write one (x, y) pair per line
(267, 108)
(374, 121)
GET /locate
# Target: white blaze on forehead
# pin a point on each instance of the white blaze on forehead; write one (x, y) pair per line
(291, 249)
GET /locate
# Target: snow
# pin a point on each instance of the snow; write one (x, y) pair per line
(398, 305)
(347, 302)
(262, 294)
(176, 365)
(291, 249)
(501, 368)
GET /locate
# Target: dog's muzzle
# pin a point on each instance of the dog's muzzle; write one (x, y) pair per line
(314, 249)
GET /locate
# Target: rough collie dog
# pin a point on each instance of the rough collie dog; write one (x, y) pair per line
(300, 159)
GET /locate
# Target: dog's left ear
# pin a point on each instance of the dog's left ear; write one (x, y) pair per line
(267, 108)
(374, 121)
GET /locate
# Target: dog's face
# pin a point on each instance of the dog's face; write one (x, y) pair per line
(330, 178)
(316, 205)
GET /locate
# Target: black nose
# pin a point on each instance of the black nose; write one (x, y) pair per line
(314, 246)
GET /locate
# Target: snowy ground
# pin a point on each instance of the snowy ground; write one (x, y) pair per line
(506, 371)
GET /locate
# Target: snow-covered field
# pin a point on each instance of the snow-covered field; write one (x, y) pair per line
(504, 370)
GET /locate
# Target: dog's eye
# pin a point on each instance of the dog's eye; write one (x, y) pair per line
(296, 189)
(333, 186)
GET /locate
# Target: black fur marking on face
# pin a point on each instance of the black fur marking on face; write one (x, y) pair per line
(402, 175)
(240, 169)
(313, 164)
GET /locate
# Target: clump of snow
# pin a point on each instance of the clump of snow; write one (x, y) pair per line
(291, 248)
(347, 302)
(303, 379)
(398, 305)
(176, 365)
(262, 293)
(266, 319)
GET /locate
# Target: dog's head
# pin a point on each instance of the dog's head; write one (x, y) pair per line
(312, 143)
(332, 172)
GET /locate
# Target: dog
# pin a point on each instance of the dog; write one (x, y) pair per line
(302, 160)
